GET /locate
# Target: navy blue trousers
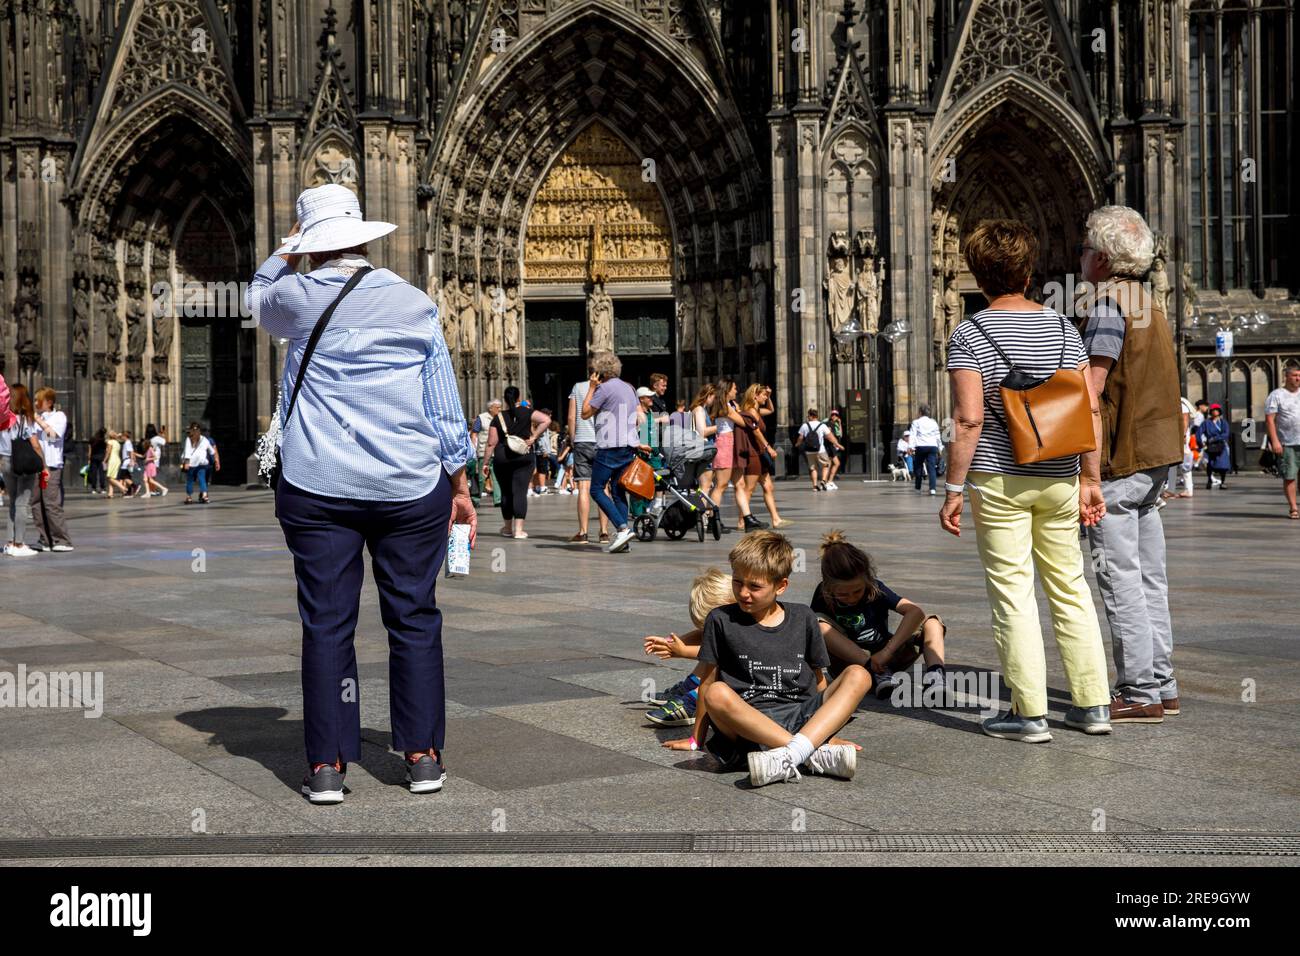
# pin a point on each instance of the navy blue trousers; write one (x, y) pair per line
(925, 457)
(407, 541)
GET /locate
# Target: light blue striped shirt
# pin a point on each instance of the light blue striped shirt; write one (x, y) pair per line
(379, 415)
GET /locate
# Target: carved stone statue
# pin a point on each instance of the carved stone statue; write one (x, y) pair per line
(27, 317)
(164, 324)
(838, 282)
(706, 316)
(686, 316)
(937, 322)
(510, 318)
(951, 306)
(81, 305)
(1160, 285)
(136, 332)
(469, 313)
(600, 319)
(493, 306)
(448, 309)
(759, 307)
(745, 310)
(728, 306)
(106, 296)
(870, 289)
(1189, 295)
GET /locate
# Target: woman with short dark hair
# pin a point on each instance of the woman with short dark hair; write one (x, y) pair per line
(1026, 516)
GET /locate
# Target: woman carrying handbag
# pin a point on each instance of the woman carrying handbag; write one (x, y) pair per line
(511, 441)
(612, 402)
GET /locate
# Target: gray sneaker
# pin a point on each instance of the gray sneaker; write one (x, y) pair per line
(425, 775)
(1091, 720)
(1010, 726)
(324, 784)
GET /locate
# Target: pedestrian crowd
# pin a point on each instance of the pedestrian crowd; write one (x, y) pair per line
(523, 452)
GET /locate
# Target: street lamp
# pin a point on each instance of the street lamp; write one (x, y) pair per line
(1228, 328)
(849, 335)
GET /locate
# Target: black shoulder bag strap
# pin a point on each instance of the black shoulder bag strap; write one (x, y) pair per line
(1011, 366)
(316, 333)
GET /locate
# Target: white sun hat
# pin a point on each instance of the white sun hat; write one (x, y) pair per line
(329, 218)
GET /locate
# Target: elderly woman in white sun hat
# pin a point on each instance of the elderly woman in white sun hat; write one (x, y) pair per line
(373, 453)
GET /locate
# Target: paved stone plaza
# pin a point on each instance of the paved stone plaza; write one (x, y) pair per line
(546, 733)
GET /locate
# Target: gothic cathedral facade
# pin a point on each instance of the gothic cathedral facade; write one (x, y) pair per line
(712, 188)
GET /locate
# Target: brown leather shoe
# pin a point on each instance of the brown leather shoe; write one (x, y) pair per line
(1125, 711)
(1171, 707)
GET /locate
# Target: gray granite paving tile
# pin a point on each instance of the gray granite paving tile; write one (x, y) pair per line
(505, 754)
(540, 730)
(669, 799)
(63, 656)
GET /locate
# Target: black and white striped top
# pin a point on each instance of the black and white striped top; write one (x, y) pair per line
(1033, 341)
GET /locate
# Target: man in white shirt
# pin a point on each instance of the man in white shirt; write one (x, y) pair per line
(814, 436)
(482, 430)
(47, 502)
(1181, 474)
(926, 444)
(1282, 414)
(583, 432)
(905, 452)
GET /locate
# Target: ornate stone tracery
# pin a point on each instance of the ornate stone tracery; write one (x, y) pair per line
(1010, 35)
(171, 41)
(595, 207)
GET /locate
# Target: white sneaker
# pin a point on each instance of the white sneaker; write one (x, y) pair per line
(621, 540)
(164, 492)
(61, 547)
(933, 492)
(831, 486)
(772, 766)
(18, 551)
(531, 493)
(834, 760)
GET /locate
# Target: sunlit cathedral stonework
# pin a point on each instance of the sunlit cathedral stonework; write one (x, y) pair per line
(710, 187)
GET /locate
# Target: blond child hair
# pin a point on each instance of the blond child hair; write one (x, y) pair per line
(711, 588)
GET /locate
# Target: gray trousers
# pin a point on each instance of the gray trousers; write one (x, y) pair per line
(18, 496)
(1128, 548)
(47, 510)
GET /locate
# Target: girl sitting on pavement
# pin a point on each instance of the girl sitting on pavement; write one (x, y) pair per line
(853, 607)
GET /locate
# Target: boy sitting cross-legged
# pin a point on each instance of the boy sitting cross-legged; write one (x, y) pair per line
(764, 690)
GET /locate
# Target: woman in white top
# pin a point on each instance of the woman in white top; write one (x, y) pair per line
(194, 462)
(705, 428)
(19, 487)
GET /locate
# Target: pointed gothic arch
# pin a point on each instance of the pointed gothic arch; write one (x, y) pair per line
(592, 60)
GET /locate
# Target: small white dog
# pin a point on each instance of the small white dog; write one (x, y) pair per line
(898, 473)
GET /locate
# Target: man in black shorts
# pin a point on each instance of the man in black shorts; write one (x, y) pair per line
(583, 431)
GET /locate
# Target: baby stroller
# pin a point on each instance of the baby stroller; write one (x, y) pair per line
(685, 454)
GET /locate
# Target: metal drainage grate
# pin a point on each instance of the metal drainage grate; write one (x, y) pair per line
(420, 844)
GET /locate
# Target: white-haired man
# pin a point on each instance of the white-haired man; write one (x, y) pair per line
(482, 428)
(1135, 373)
(1282, 415)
